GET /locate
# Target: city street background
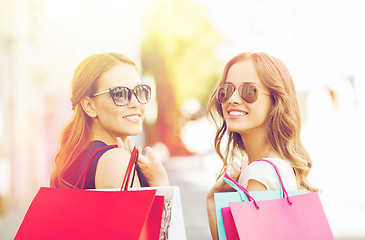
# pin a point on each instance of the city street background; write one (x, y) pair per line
(181, 47)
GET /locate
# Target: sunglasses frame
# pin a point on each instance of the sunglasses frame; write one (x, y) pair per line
(240, 86)
(130, 92)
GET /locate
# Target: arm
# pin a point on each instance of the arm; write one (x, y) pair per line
(254, 185)
(234, 171)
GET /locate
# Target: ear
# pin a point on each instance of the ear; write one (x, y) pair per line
(88, 106)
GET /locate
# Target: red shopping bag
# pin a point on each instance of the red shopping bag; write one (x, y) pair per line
(57, 213)
(296, 217)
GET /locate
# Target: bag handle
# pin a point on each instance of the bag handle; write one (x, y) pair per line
(285, 193)
(132, 161)
(240, 188)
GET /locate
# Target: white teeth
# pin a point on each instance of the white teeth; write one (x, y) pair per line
(237, 113)
(133, 117)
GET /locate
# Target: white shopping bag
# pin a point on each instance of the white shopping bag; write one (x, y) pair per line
(172, 224)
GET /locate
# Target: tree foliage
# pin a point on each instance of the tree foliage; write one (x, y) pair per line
(178, 51)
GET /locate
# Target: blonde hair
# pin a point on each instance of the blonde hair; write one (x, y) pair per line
(283, 123)
(76, 134)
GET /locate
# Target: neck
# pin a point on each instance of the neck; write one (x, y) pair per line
(258, 146)
(98, 132)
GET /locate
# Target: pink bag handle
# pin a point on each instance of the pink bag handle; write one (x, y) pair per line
(285, 193)
(128, 171)
(240, 187)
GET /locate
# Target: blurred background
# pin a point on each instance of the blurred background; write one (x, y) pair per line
(182, 47)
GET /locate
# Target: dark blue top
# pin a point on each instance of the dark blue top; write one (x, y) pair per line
(75, 170)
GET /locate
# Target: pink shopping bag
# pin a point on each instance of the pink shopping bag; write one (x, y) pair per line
(296, 217)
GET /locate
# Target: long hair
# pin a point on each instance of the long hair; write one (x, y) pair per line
(77, 134)
(283, 123)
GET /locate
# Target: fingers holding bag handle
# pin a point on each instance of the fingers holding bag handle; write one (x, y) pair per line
(239, 188)
(151, 168)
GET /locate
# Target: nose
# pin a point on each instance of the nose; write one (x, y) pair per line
(134, 102)
(235, 98)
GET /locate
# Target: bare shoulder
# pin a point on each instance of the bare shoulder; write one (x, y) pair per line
(111, 168)
(115, 157)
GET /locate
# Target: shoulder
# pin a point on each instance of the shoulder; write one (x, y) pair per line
(264, 173)
(282, 165)
(114, 157)
(111, 168)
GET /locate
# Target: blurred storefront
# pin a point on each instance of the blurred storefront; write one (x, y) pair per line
(41, 43)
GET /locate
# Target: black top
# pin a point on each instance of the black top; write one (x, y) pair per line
(74, 171)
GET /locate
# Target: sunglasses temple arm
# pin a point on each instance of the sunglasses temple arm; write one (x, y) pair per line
(96, 94)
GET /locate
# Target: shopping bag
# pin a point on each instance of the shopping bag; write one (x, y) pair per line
(172, 224)
(225, 224)
(290, 217)
(57, 213)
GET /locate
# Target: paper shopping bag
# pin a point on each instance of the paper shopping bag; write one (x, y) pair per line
(226, 228)
(301, 217)
(152, 227)
(290, 217)
(57, 213)
(225, 224)
(172, 224)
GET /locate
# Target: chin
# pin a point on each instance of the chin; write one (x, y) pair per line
(235, 127)
(134, 132)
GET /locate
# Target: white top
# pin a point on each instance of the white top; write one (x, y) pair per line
(265, 173)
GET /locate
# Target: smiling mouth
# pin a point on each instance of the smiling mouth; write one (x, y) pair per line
(133, 118)
(237, 113)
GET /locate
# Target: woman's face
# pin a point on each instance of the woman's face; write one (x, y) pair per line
(119, 121)
(240, 116)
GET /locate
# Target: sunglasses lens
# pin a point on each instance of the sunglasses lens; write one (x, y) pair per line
(121, 96)
(143, 93)
(224, 93)
(248, 93)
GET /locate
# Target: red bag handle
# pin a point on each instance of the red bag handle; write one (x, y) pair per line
(132, 160)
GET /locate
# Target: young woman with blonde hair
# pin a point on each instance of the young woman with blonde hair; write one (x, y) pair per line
(255, 107)
(109, 101)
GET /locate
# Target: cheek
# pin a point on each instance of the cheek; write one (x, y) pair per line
(143, 108)
(225, 114)
(262, 109)
(267, 110)
(107, 110)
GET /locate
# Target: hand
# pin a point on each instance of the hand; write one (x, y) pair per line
(127, 145)
(152, 169)
(234, 171)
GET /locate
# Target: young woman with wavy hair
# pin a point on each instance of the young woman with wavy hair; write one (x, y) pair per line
(255, 107)
(109, 101)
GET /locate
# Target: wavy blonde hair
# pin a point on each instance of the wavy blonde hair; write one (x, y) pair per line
(77, 134)
(283, 123)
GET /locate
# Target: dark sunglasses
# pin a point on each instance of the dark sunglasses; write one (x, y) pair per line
(249, 92)
(122, 95)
